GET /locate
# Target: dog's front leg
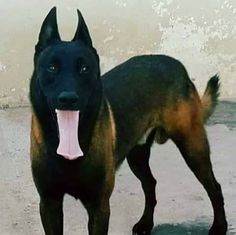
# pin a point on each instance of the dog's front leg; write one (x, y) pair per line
(99, 214)
(51, 212)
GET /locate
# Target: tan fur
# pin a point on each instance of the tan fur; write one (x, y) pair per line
(113, 127)
(186, 120)
(207, 108)
(182, 116)
(104, 133)
(210, 97)
(36, 138)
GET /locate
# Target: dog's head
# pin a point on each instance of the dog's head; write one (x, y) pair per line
(67, 80)
(67, 72)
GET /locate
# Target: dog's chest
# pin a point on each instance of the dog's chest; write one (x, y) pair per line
(80, 179)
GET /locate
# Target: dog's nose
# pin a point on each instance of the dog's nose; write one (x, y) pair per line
(67, 98)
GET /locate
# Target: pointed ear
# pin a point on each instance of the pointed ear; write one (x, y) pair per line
(49, 31)
(82, 32)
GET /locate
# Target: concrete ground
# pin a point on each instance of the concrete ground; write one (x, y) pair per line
(183, 206)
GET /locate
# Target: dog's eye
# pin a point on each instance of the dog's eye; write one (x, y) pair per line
(52, 68)
(84, 69)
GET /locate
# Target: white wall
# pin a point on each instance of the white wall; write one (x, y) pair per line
(202, 34)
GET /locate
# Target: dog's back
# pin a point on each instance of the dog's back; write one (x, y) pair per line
(153, 91)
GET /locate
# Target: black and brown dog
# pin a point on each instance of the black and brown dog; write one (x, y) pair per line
(83, 127)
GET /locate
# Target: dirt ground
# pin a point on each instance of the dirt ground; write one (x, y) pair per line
(183, 207)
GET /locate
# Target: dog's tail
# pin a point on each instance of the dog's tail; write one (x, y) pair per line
(210, 97)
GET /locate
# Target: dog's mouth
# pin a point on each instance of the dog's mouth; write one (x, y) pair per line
(68, 122)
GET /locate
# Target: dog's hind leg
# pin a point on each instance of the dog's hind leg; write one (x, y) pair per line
(138, 160)
(51, 212)
(193, 144)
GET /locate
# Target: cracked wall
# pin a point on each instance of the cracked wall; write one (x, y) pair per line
(201, 34)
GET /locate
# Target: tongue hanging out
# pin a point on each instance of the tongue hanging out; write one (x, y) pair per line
(68, 122)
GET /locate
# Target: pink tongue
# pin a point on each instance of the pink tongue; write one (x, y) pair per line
(68, 122)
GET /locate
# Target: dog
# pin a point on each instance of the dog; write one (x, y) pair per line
(84, 126)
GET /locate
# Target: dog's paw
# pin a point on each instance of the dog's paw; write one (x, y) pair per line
(218, 229)
(142, 228)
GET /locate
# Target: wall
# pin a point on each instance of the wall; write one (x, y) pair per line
(200, 33)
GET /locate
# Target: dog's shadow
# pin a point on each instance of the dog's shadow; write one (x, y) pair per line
(187, 228)
(181, 229)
